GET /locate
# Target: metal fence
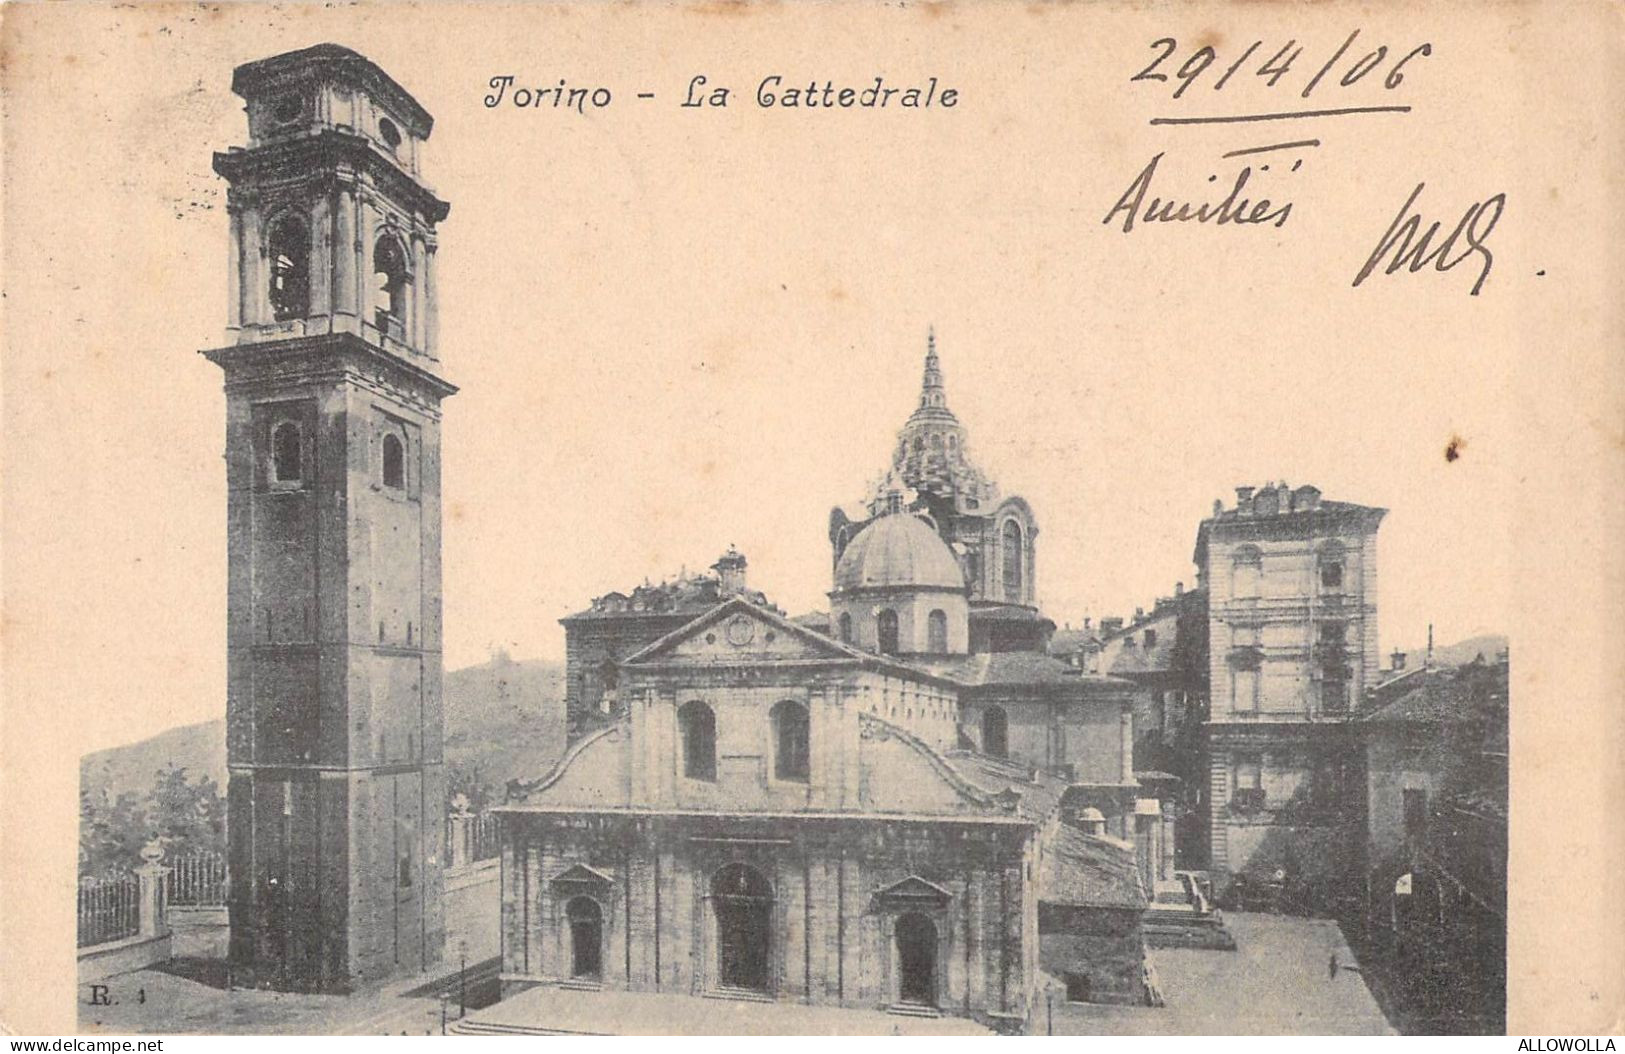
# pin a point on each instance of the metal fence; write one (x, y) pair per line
(198, 880)
(109, 909)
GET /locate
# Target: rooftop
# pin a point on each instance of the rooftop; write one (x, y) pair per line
(1086, 871)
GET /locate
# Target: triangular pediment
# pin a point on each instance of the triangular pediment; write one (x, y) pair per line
(738, 631)
(581, 875)
(915, 890)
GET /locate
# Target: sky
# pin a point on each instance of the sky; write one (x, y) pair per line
(676, 331)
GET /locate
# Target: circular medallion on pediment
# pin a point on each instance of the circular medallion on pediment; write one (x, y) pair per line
(741, 631)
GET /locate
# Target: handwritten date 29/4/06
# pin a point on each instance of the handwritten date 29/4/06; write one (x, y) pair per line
(1277, 65)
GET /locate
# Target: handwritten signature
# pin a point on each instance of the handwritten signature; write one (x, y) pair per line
(1466, 240)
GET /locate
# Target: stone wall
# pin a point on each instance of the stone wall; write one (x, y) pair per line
(1103, 946)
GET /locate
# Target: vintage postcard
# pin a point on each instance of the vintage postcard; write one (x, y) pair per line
(826, 519)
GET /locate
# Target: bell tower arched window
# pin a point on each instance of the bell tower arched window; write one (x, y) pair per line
(389, 286)
(937, 631)
(289, 251)
(846, 628)
(886, 630)
(394, 462)
(1012, 543)
(286, 453)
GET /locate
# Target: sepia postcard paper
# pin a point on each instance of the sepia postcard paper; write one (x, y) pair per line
(829, 518)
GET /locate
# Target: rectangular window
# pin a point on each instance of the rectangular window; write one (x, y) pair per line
(1246, 691)
(1334, 696)
(1248, 794)
(1327, 788)
(1416, 813)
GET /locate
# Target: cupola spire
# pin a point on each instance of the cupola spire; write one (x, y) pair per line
(932, 393)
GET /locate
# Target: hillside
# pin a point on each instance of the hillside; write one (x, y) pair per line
(505, 717)
(1462, 652)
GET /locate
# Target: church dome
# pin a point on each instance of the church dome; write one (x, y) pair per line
(898, 550)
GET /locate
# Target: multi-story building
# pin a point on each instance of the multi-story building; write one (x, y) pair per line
(1434, 865)
(618, 624)
(333, 390)
(1164, 653)
(1291, 581)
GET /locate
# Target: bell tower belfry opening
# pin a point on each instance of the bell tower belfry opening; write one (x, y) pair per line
(333, 391)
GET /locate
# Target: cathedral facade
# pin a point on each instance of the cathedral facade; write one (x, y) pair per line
(908, 811)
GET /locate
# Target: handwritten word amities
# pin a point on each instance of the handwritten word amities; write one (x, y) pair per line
(1136, 206)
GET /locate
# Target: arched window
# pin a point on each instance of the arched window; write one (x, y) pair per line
(699, 731)
(886, 630)
(288, 249)
(937, 631)
(846, 628)
(285, 453)
(790, 738)
(394, 462)
(1012, 560)
(389, 285)
(1246, 571)
(995, 732)
(1331, 566)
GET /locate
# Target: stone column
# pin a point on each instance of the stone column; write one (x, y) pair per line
(416, 336)
(460, 821)
(154, 903)
(431, 314)
(346, 250)
(1128, 744)
(234, 273)
(253, 267)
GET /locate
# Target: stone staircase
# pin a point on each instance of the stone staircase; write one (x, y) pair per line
(742, 995)
(913, 1010)
(1173, 921)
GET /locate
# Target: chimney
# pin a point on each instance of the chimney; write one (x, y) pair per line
(1108, 626)
(730, 569)
(1244, 500)
(1398, 658)
(1179, 590)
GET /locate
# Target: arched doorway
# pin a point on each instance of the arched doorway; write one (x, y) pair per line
(586, 938)
(917, 959)
(743, 902)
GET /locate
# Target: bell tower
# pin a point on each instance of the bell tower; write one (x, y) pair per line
(333, 390)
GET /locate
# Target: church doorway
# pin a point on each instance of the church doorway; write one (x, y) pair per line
(743, 901)
(917, 959)
(586, 938)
